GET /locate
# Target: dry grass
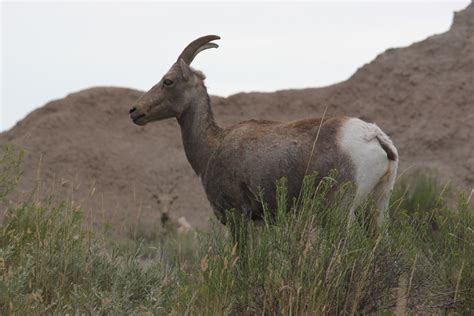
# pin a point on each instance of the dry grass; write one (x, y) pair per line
(301, 261)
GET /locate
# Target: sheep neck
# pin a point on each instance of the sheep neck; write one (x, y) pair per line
(200, 133)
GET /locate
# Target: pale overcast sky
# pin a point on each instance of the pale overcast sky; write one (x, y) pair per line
(52, 49)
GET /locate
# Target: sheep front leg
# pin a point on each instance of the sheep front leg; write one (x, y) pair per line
(239, 228)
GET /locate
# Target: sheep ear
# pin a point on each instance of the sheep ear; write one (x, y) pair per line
(185, 70)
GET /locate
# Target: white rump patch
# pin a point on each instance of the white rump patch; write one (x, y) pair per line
(360, 141)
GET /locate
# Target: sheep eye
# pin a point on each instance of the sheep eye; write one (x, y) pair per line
(168, 82)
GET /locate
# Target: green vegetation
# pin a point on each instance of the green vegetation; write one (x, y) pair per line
(302, 261)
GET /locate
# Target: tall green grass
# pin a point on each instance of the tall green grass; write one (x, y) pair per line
(304, 260)
(10, 169)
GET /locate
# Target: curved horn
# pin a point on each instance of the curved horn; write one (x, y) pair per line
(197, 46)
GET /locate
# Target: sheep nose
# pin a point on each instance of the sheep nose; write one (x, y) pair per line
(132, 109)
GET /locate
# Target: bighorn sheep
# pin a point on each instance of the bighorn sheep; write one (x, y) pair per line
(168, 220)
(233, 163)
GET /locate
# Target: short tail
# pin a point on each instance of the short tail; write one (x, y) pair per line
(384, 141)
(387, 145)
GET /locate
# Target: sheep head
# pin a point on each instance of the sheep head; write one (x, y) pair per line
(176, 90)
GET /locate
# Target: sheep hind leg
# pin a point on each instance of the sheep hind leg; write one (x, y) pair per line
(383, 191)
(378, 186)
(380, 196)
(356, 202)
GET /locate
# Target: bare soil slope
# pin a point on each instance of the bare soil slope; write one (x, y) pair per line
(421, 95)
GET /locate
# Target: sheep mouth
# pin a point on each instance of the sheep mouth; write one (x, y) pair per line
(138, 119)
